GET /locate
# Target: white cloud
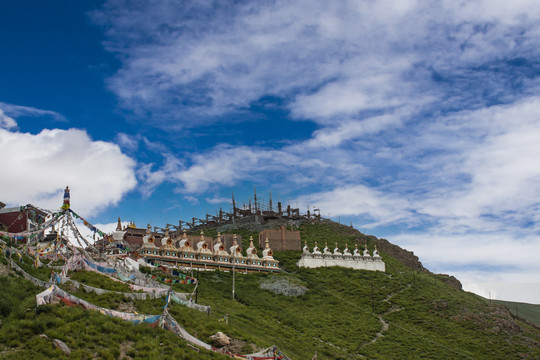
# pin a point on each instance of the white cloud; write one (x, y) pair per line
(19, 110)
(480, 258)
(335, 59)
(191, 199)
(218, 200)
(509, 291)
(381, 208)
(350, 130)
(365, 84)
(509, 251)
(128, 142)
(225, 166)
(477, 174)
(7, 122)
(489, 155)
(151, 179)
(37, 168)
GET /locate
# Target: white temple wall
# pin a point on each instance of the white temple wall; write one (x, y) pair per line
(358, 264)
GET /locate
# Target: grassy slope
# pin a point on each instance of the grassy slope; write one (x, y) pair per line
(87, 333)
(334, 317)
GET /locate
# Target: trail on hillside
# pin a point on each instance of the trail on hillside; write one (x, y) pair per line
(384, 324)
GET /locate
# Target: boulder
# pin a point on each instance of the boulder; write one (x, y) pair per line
(62, 346)
(220, 339)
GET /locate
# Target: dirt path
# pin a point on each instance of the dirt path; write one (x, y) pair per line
(384, 324)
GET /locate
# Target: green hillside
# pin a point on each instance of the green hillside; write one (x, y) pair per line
(342, 314)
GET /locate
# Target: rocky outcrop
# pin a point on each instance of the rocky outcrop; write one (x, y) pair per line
(497, 319)
(283, 286)
(450, 280)
(406, 257)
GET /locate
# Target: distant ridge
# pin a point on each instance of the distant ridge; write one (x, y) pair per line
(525, 311)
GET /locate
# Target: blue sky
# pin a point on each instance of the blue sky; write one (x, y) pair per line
(414, 121)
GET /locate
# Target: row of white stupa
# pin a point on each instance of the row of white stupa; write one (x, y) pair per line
(181, 251)
(346, 252)
(202, 246)
(354, 260)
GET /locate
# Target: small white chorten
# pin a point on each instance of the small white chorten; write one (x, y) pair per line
(166, 241)
(251, 250)
(184, 243)
(376, 253)
(202, 246)
(267, 252)
(219, 248)
(366, 252)
(305, 249)
(118, 235)
(326, 250)
(149, 239)
(316, 250)
(235, 249)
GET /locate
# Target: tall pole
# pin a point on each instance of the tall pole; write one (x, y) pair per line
(255, 199)
(233, 271)
(233, 207)
(197, 288)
